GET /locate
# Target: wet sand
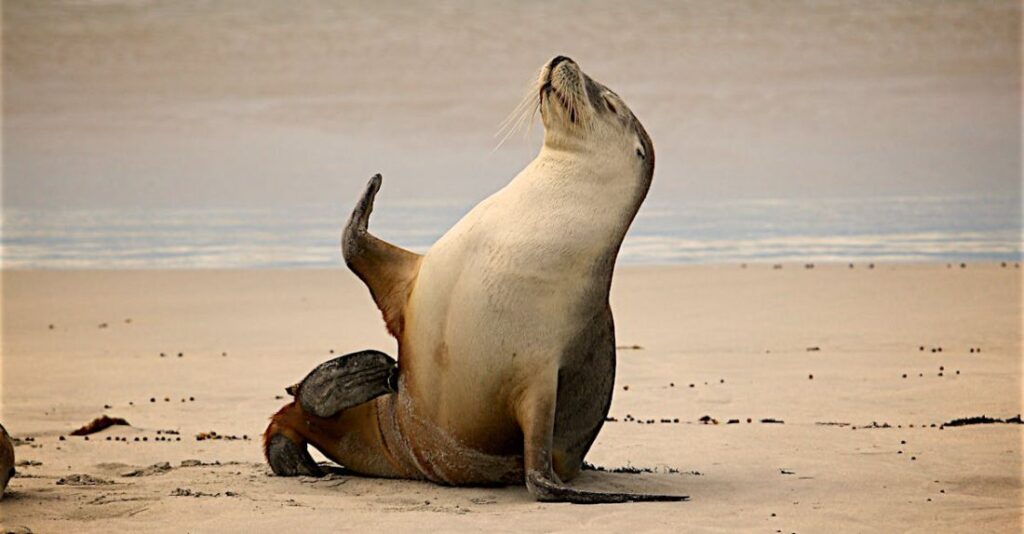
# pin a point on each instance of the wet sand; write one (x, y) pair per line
(822, 350)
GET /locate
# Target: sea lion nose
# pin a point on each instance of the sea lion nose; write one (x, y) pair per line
(558, 59)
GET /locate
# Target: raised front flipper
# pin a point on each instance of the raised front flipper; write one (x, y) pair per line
(346, 381)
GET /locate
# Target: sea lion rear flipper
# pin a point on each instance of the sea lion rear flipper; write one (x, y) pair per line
(329, 389)
(289, 459)
(537, 420)
(386, 269)
(346, 381)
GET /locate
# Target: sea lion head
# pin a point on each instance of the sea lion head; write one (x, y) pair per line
(579, 112)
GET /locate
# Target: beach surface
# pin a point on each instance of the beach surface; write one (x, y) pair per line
(861, 367)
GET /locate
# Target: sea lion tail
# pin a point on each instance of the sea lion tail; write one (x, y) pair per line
(387, 270)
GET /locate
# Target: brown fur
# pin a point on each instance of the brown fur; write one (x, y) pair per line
(6, 459)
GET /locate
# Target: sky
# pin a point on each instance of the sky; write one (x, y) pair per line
(131, 103)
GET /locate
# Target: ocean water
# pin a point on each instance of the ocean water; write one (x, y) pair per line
(903, 229)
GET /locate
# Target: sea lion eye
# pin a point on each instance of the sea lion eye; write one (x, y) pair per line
(640, 152)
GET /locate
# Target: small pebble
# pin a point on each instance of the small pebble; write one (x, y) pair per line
(671, 384)
(107, 406)
(191, 399)
(691, 385)
(625, 388)
(913, 457)
(51, 327)
(62, 438)
(167, 399)
(163, 355)
(721, 380)
(904, 375)
(180, 354)
(810, 377)
(152, 399)
(86, 438)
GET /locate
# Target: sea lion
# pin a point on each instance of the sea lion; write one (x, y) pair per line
(505, 336)
(6, 460)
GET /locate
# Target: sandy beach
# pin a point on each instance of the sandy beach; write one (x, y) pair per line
(847, 359)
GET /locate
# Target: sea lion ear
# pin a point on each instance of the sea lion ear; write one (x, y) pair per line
(346, 381)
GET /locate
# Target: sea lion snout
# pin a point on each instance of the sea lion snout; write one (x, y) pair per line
(559, 59)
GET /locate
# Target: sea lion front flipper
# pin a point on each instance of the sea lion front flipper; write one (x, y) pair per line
(346, 381)
(386, 269)
(537, 420)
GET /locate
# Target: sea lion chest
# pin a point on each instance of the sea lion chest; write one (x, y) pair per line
(501, 295)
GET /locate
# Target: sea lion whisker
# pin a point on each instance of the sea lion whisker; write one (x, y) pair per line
(527, 108)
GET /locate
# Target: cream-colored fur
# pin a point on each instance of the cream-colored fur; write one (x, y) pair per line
(499, 296)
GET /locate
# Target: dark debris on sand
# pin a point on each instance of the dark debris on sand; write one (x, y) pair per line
(98, 424)
(185, 492)
(632, 470)
(212, 435)
(82, 480)
(982, 420)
